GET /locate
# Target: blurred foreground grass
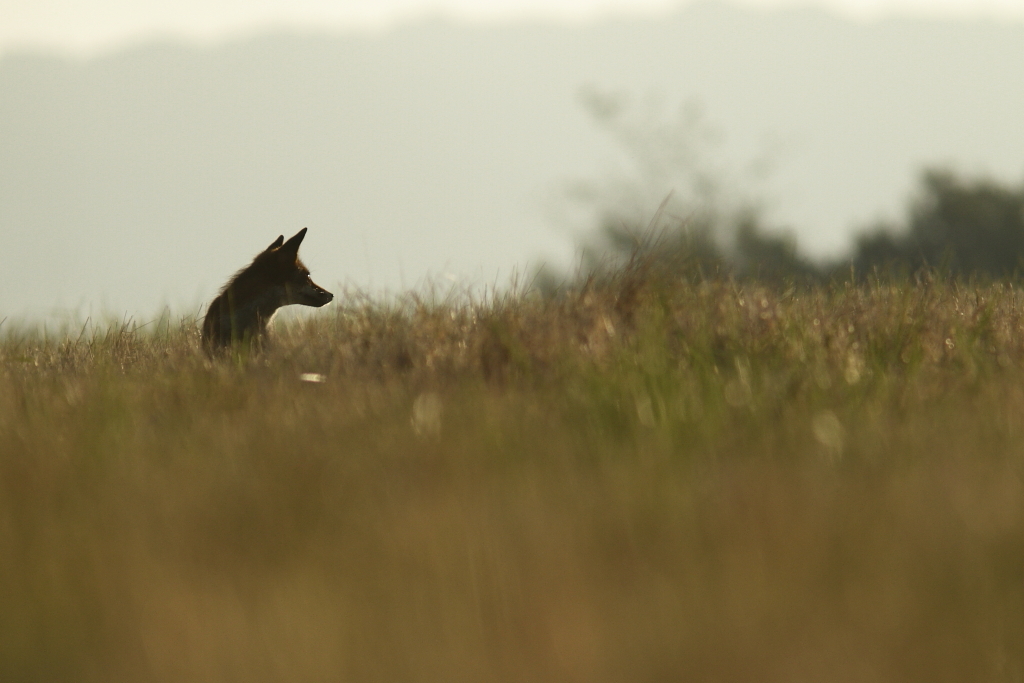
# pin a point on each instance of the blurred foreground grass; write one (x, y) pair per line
(637, 481)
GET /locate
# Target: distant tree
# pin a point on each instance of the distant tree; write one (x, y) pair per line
(881, 249)
(968, 227)
(770, 257)
(674, 248)
(706, 220)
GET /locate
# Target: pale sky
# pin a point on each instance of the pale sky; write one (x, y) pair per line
(98, 25)
(414, 160)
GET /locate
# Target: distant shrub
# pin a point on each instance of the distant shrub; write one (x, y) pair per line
(962, 226)
(708, 219)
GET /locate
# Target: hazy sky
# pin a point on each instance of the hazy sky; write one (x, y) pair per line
(150, 172)
(73, 25)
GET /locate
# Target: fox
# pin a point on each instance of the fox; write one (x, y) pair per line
(245, 306)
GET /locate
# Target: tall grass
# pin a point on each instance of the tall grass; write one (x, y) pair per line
(641, 479)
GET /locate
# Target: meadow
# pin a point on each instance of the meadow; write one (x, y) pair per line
(640, 478)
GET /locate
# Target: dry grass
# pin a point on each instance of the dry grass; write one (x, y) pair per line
(640, 480)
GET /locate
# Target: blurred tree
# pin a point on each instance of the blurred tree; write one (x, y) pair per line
(967, 227)
(881, 249)
(770, 257)
(673, 248)
(707, 220)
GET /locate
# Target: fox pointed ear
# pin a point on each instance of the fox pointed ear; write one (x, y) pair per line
(294, 241)
(276, 243)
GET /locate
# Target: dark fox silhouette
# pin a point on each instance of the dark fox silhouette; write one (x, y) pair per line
(244, 307)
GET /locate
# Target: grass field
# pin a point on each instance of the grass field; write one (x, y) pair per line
(639, 480)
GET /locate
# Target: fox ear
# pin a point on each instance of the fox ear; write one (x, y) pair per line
(276, 243)
(293, 242)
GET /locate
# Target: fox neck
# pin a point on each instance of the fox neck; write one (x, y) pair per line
(256, 307)
(247, 311)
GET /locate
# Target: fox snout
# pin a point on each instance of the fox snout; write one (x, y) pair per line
(312, 294)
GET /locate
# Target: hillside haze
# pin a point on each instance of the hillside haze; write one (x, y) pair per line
(149, 175)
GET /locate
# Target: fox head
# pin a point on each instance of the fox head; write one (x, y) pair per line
(246, 304)
(284, 270)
